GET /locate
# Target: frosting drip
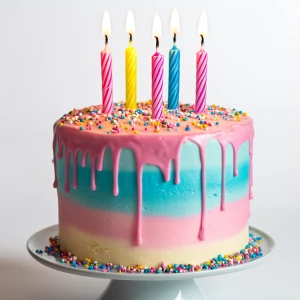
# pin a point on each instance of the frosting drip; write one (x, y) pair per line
(158, 149)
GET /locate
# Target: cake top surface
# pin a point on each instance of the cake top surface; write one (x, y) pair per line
(127, 122)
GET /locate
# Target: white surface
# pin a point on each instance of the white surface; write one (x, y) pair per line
(49, 63)
(39, 240)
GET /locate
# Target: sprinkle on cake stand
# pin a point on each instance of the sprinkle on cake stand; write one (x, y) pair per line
(146, 285)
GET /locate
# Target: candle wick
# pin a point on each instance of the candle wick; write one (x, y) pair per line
(202, 40)
(157, 42)
(130, 37)
(174, 38)
(106, 40)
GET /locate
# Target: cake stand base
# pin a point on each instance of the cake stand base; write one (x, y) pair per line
(150, 290)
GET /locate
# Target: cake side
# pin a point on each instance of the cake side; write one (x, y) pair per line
(174, 192)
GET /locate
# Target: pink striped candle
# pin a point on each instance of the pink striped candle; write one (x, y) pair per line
(201, 67)
(157, 72)
(201, 79)
(107, 86)
(106, 68)
(157, 85)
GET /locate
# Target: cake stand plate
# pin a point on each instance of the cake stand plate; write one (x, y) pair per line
(139, 286)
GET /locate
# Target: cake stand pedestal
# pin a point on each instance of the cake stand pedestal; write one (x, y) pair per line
(139, 286)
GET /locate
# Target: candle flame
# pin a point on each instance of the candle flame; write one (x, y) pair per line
(203, 26)
(130, 24)
(106, 26)
(156, 29)
(175, 22)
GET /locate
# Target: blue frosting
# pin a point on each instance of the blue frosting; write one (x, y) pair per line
(160, 197)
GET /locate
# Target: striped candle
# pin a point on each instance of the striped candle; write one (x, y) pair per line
(131, 76)
(174, 63)
(201, 80)
(174, 74)
(130, 65)
(107, 86)
(201, 67)
(157, 72)
(157, 85)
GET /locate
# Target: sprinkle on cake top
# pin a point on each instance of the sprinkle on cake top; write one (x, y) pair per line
(125, 121)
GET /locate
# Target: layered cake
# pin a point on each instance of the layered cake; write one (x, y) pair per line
(132, 190)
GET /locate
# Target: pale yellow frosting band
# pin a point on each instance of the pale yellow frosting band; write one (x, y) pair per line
(104, 250)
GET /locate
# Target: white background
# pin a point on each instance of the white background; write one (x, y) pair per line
(49, 64)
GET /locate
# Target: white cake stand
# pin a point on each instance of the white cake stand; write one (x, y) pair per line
(139, 286)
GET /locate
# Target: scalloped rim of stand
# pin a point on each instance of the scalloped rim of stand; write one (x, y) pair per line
(40, 239)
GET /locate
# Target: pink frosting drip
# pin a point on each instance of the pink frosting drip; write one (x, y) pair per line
(75, 154)
(251, 168)
(223, 177)
(203, 178)
(157, 149)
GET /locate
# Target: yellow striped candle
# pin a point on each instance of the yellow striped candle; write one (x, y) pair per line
(130, 65)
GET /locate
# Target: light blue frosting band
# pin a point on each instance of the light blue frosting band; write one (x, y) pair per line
(160, 197)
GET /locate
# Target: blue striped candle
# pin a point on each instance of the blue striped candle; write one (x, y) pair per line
(174, 77)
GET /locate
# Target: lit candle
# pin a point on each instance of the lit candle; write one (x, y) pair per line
(106, 68)
(157, 72)
(130, 65)
(201, 69)
(174, 63)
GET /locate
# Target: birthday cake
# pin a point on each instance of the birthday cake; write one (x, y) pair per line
(132, 190)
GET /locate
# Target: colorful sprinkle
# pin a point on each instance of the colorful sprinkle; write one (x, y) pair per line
(180, 120)
(251, 251)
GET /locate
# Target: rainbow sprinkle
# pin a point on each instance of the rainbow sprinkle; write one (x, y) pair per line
(135, 121)
(251, 251)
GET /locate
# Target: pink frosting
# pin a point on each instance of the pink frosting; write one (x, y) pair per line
(158, 231)
(151, 148)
